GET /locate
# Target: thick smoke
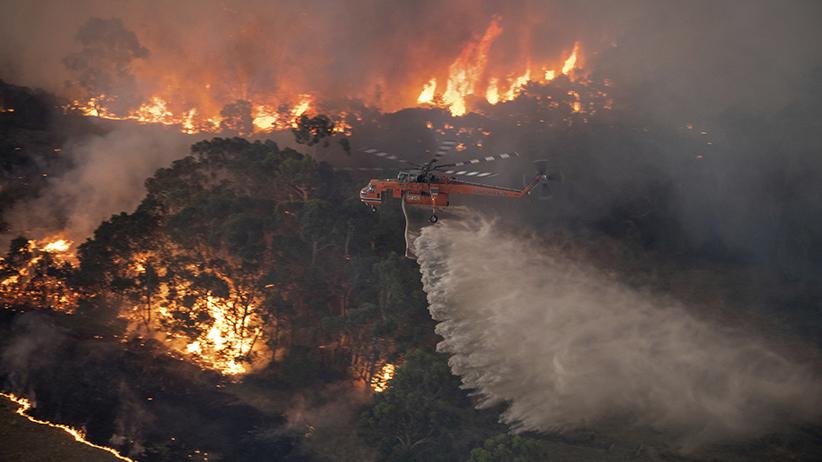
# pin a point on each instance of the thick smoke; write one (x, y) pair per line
(569, 347)
(102, 66)
(107, 177)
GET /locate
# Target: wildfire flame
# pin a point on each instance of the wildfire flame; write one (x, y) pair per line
(225, 334)
(78, 435)
(468, 72)
(380, 380)
(29, 278)
(157, 110)
(571, 62)
(57, 246)
(223, 337)
(427, 93)
(199, 107)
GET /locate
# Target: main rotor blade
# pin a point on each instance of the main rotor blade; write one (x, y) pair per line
(389, 156)
(444, 147)
(470, 173)
(480, 160)
(364, 169)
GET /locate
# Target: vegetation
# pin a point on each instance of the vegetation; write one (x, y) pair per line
(424, 415)
(248, 259)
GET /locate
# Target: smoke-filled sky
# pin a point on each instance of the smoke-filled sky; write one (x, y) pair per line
(716, 54)
(569, 347)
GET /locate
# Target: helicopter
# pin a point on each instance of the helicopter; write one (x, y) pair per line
(432, 184)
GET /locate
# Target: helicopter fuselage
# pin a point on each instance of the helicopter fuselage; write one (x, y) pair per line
(434, 190)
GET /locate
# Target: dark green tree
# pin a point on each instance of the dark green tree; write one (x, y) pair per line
(311, 130)
(424, 415)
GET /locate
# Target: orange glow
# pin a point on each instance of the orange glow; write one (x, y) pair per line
(187, 124)
(265, 117)
(303, 105)
(58, 246)
(192, 120)
(194, 103)
(380, 380)
(571, 62)
(155, 111)
(492, 93)
(468, 68)
(31, 281)
(78, 435)
(427, 93)
(517, 84)
(226, 333)
(576, 104)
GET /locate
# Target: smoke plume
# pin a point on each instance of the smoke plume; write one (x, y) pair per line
(699, 55)
(569, 347)
(107, 177)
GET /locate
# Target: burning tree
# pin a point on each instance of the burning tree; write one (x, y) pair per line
(241, 252)
(37, 276)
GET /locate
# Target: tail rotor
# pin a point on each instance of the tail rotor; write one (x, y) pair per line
(544, 191)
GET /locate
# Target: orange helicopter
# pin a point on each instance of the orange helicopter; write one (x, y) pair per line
(432, 184)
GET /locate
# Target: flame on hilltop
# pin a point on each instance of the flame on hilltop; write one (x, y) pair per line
(468, 75)
(157, 110)
(466, 71)
(571, 62)
(427, 93)
(208, 103)
(78, 435)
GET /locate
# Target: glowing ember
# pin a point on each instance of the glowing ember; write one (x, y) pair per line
(380, 380)
(576, 104)
(427, 93)
(78, 435)
(550, 75)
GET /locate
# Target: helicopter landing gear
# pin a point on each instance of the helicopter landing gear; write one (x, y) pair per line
(433, 218)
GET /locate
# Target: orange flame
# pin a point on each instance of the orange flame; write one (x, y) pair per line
(427, 93)
(467, 69)
(571, 62)
(380, 380)
(78, 435)
(57, 246)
